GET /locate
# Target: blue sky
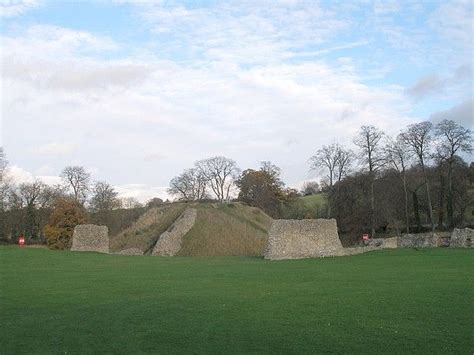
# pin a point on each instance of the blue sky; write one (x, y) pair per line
(137, 91)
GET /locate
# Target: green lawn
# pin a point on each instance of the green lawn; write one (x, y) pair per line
(402, 301)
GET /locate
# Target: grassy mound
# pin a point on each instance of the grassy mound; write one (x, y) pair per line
(144, 233)
(219, 230)
(225, 230)
(395, 301)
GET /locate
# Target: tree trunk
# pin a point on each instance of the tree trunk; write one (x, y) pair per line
(329, 203)
(372, 207)
(430, 207)
(449, 204)
(428, 196)
(441, 200)
(407, 217)
(416, 209)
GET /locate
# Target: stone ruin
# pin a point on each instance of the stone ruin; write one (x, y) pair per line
(169, 243)
(462, 238)
(130, 251)
(295, 239)
(422, 240)
(459, 238)
(90, 237)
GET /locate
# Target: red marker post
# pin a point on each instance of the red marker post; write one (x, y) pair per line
(21, 241)
(365, 239)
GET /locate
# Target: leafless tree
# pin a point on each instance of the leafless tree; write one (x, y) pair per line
(78, 179)
(104, 197)
(310, 188)
(219, 172)
(418, 137)
(398, 156)
(336, 161)
(3, 164)
(453, 139)
(49, 194)
(190, 185)
(130, 202)
(369, 141)
(344, 162)
(4, 184)
(30, 192)
(273, 172)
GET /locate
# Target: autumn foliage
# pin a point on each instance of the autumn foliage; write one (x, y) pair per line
(65, 216)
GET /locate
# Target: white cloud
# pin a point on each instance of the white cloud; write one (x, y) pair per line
(56, 148)
(181, 112)
(143, 192)
(19, 175)
(454, 21)
(10, 8)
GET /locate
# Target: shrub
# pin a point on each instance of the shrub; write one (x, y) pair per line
(66, 215)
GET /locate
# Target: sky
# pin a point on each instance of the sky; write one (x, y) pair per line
(138, 91)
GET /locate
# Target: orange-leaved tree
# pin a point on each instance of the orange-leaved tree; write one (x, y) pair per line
(65, 216)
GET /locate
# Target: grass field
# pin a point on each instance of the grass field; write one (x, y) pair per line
(402, 301)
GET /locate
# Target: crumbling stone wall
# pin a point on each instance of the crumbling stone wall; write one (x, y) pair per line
(387, 243)
(170, 241)
(462, 238)
(293, 239)
(90, 237)
(130, 251)
(422, 240)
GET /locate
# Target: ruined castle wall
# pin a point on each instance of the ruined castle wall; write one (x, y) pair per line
(170, 241)
(462, 238)
(293, 239)
(90, 237)
(422, 240)
(130, 251)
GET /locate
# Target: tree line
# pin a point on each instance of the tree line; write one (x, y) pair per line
(42, 212)
(414, 181)
(399, 182)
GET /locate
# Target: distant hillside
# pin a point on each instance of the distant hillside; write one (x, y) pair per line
(315, 201)
(219, 230)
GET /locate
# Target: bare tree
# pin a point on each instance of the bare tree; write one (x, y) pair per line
(453, 139)
(336, 161)
(190, 185)
(398, 156)
(344, 162)
(49, 194)
(78, 179)
(219, 172)
(3, 164)
(419, 138)
(272, 171)
(310, 188)
(369, 141)
(30, 193)
(130, 202)
(326, 159)
(4, 185)
(104, 197)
